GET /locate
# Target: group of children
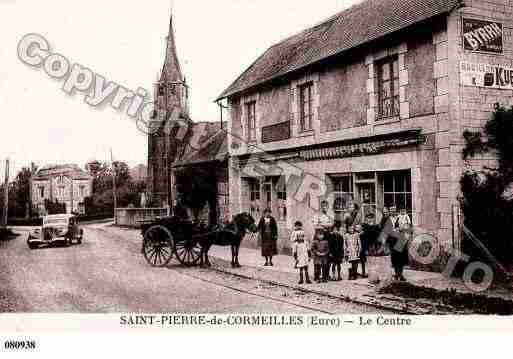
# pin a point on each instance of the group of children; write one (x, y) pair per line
(329, 248)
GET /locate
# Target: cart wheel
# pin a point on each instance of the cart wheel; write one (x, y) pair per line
(188, 252)
(158, 246)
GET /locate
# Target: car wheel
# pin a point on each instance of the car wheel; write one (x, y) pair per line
(32, 246)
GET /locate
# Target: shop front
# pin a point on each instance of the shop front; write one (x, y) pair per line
(293, 188)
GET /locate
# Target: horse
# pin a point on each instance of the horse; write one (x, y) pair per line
(228, 235)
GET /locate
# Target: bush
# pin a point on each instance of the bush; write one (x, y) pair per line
(487, 203)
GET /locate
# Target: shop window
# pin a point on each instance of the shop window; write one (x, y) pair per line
(306, 106)
(388, 87)
(397, 190)
(251, 120)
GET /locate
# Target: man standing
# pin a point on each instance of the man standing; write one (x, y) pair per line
(323, 219)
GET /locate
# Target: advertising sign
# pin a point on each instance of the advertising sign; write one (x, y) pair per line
(482, 36)
(485, 75)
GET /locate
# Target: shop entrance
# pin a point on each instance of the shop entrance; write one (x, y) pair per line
(366, 196)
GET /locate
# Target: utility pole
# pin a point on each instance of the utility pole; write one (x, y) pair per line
(6, 194)
(114, 185)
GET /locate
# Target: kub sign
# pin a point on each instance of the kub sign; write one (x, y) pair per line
(485, 75)
(482, 36)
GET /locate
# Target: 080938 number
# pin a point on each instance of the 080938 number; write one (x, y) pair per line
(19, 345)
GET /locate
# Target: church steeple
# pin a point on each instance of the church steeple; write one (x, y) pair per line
(171, 70)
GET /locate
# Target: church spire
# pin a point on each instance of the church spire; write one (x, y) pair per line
(171, 70)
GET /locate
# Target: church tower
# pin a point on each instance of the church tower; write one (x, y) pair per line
(170, 95)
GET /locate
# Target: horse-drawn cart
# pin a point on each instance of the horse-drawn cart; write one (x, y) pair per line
(166, 237)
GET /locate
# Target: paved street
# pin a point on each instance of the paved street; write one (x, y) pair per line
(107, 273)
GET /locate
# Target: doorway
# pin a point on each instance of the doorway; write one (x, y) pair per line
(366, 193)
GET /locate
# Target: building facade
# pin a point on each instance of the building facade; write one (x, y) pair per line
(65, 184)
(370, 106)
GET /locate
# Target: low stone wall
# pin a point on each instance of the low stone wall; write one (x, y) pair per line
(131, 217)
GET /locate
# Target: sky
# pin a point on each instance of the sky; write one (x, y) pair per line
(124, 41)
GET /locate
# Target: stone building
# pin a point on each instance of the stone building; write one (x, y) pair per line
(170, 96)
(187, 145)
(67, 184)
(370, 106)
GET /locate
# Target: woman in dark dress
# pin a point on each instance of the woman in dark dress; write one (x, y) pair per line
(268, 230)
(391, 237)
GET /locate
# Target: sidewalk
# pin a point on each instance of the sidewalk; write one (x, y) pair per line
(362, 291)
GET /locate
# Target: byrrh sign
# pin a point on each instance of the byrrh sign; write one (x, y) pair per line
(482, 36)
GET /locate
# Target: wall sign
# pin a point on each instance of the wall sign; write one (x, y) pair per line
(485, 75)
(482, 36)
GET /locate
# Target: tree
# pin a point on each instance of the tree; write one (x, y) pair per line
(19, 194)
(487, 201)
(101, 200)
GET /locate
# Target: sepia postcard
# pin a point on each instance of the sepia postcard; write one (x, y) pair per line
(344, 165)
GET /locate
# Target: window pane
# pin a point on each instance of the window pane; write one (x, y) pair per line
(389, 200)
(396, 106)
(385, 71)
(396, 87)
(387, 107)
(409, 204)
(396, 68)
(346, 184)
(388, 183)
(400, 182)
(400, 201)
(385, 90)
(408, 182)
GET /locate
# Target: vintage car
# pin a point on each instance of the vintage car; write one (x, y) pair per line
(56, 228)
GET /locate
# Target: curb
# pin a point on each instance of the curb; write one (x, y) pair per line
(395, 308)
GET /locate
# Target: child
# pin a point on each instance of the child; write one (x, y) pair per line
(337, 249)
(320, 251)
(302, 256)
(352, 250)
(298, 234)
(403, 221)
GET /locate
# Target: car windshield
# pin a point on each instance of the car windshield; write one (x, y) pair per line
(56, 221)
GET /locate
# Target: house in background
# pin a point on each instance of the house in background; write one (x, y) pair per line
(66, 184)
(206, 155)
(369, 106)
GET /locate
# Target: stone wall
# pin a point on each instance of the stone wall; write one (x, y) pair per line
(131, 217)
(343, 91)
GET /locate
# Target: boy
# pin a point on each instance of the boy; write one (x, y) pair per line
(337, 249)
(320, 252)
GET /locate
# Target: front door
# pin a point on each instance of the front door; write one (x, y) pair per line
(367, 199)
